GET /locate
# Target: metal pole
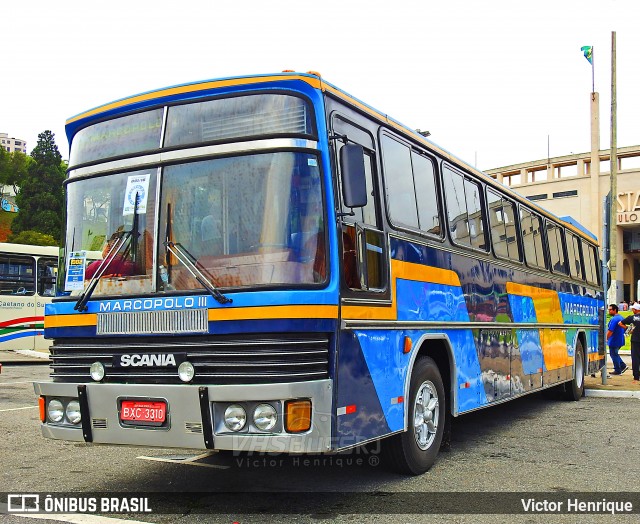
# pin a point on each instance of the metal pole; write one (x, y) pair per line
(605, 255)
(613, 233)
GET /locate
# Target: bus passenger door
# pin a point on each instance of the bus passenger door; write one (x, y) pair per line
(45, 290)
(363, 371)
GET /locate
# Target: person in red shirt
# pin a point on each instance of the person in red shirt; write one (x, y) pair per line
(119, 265)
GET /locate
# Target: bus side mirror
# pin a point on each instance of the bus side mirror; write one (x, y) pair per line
(354, 184)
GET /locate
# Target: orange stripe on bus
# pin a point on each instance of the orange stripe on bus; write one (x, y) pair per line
(55, 321)
(272, 312)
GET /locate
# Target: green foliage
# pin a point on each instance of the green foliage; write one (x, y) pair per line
(41, 196)
(13, 168)
(34, 238)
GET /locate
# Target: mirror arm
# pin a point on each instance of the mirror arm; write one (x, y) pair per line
(342, 138)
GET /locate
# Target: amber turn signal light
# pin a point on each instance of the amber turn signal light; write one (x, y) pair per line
(42, 411)
(297, 417)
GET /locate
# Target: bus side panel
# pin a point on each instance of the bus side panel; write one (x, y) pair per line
(359, 414)
(19, 322)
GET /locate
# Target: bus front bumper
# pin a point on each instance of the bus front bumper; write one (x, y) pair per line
(194, 415)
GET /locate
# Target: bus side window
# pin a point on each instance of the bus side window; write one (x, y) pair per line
(17, 275)
(47, 272)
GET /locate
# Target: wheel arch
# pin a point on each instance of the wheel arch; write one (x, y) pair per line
(438, 347)
(582, 337)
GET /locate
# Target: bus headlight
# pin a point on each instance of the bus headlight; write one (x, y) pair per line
(97, 371)
(55, 410)
(186, 371)
(73, 412)
(265, 417)
(235, 417)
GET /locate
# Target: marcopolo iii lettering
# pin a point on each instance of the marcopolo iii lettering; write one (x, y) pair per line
(149, 360)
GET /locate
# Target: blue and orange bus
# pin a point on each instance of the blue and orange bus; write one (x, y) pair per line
(286, 269)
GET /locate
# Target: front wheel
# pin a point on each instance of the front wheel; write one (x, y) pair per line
(414, 451)
(575, 389)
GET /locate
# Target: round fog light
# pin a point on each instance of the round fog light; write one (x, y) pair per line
(186, 371)
(97, 371)
(265, 417)
(55, 410)
(235, 417)
(73, 412)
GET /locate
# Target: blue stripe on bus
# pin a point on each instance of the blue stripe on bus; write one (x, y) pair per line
(22, 334)
(325, 296)
(224, 327)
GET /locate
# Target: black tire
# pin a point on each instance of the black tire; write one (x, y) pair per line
(574, 390)
(414, 451)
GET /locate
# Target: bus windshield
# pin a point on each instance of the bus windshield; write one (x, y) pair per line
(244, 221)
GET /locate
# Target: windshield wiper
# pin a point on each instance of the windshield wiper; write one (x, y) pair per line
(189, 261)
(81, 304)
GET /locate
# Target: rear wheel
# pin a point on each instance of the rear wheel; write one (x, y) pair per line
(575, 389)
(414, 451)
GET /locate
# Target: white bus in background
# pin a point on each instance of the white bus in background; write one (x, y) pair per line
(27, 283)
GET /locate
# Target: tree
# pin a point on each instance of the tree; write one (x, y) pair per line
(13, 169)
(34, 238)
(41, 195)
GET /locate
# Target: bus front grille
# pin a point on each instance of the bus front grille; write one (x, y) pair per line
(244, 359)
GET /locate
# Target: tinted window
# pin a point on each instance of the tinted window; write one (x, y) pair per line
(464, 210)
(456, 207)
(573, 255)
(591, 263)
(426, 194)
(531, 227)
(555, 235)
(17, 275)
(47, 271)
(398, 175)
(503, 226)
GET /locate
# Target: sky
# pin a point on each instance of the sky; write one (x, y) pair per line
(495, 82)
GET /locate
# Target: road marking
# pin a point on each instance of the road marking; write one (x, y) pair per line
(188, 461)
(17, 409)
(73, 518)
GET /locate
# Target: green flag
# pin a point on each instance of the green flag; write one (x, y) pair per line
(588, 53)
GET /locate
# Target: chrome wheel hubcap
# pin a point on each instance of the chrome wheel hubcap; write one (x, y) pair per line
(426, 415)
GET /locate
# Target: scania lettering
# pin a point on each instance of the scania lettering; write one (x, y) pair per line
(147, 360)
(324, 276)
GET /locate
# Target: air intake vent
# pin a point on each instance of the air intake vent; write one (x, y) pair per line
(99, 423)
(193, 427)
(222, 359)
(153, 322)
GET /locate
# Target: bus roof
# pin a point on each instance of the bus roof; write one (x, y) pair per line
(149, 98)
(27, 249)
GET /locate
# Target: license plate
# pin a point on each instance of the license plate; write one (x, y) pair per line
(137, 411)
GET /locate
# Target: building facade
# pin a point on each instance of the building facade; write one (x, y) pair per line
(568, 186)
(12, 144)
